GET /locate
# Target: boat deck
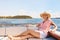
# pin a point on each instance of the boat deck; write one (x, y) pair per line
(50, 38)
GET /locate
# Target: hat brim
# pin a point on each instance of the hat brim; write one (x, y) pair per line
(45, 14)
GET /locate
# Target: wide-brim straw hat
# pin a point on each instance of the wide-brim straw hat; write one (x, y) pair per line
(45, 14)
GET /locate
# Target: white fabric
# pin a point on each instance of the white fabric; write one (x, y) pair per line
(42, 34)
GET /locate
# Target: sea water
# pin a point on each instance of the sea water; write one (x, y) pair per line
(31, 21)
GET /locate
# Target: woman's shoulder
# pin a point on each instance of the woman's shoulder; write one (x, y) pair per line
(50, 20)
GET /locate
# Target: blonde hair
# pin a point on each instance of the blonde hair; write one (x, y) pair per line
(45, 14)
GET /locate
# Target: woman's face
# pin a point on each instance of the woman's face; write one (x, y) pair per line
(45, 17)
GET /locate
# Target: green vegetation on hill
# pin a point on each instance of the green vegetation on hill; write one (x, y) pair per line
(17, 17)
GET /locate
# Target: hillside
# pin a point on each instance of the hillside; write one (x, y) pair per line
(17, 17)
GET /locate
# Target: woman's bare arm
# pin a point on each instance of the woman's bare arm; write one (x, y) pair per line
(54, 25)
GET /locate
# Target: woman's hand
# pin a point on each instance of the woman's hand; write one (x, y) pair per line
(38, 25)
(53, 30)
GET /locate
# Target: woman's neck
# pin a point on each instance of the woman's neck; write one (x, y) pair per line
(45, 20)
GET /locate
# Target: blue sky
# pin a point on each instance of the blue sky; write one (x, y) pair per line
(29, 7)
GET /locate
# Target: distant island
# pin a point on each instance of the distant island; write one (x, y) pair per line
(17, 17)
